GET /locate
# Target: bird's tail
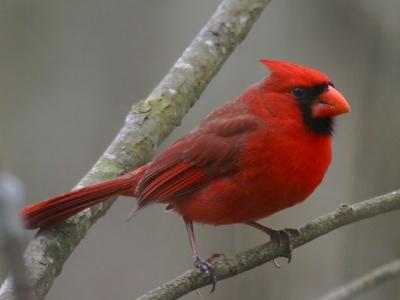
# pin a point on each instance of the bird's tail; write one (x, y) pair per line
(54, 210)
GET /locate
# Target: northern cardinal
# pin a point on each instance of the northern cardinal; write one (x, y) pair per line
(258, 154)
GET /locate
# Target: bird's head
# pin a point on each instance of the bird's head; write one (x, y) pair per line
(311, 90)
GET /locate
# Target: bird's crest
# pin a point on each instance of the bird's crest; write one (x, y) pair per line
(287, 74)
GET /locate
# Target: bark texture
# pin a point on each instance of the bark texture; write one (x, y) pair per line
(145, 127)
(232, 265)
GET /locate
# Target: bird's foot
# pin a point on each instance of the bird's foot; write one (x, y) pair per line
(287, 235)
(207, 268)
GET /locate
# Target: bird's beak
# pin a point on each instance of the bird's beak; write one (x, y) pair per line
(329, 104)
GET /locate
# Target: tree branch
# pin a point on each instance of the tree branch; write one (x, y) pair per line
(366, 282)
(232, 265)
(147, 124)
(12, 196)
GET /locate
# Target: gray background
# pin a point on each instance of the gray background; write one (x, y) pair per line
(70, 70)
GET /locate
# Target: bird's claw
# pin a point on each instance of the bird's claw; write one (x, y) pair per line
(286, 234)
(207, 268)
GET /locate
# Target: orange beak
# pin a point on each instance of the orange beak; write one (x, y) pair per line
(329, 104)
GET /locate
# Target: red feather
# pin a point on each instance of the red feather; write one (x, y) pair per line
(57, 209)
(261, 153)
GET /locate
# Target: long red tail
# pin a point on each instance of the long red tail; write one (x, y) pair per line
(54, 210)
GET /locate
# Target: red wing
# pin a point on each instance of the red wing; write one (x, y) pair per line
(209, 152)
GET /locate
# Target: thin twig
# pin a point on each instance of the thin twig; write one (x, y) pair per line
(147, 124)
(366, 282)
(11, 234)
(232, 265)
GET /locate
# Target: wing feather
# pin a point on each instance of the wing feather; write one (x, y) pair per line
(212, 150)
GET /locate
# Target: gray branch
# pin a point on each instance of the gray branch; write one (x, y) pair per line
(232, 265)
(366, 282)
(147, 124)
(11, 234)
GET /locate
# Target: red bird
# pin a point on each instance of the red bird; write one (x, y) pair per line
(256, 155)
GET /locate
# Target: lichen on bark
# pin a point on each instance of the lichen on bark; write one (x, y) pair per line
(146, 125)
(229, 266)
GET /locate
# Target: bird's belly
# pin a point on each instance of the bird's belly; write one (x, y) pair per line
(252, 194)
(227, 202)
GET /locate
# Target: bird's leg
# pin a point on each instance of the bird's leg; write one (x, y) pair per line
(205, 266)
(277, 236)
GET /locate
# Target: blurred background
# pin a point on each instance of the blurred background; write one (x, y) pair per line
(70, 71)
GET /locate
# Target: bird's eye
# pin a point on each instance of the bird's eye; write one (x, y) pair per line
(299, 92)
